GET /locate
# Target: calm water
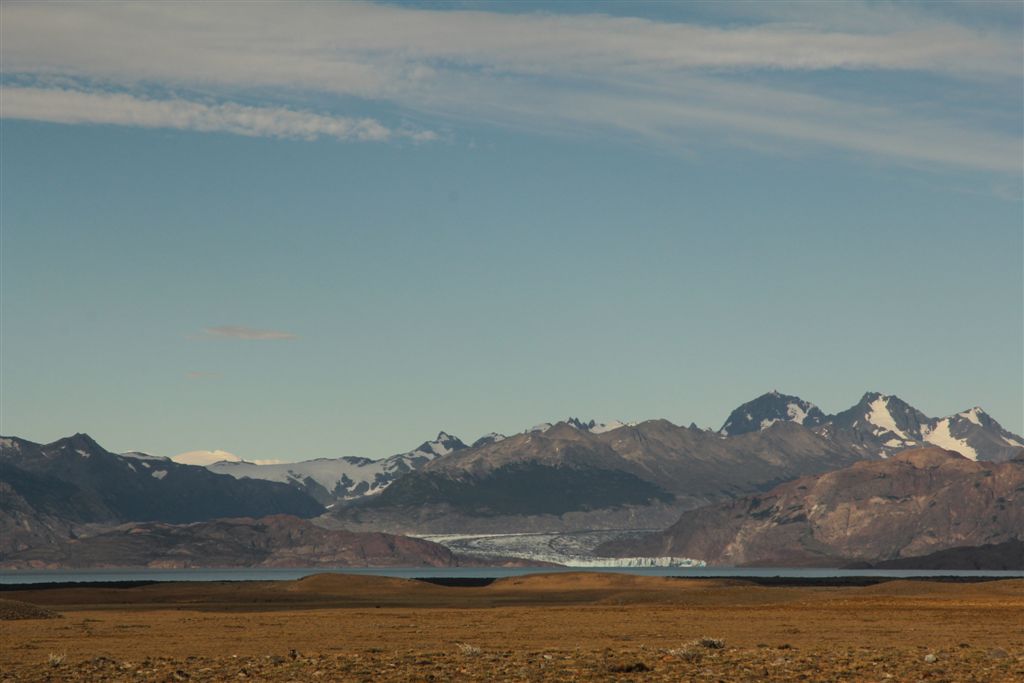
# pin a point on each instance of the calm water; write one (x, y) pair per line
(48, 576)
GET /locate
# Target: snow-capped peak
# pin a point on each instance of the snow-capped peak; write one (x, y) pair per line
(973, 415)
(444, 444)
(769, 409)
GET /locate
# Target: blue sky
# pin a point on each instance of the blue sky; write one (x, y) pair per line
(335, 229)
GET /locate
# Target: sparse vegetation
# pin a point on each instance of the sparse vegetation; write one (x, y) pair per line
(695, 649)
(55, 659)
(710, 643)
(468, 650)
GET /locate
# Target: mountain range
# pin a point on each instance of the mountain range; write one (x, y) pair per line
(564, 478)
(876, 427)
(332, 480)
(570, 475)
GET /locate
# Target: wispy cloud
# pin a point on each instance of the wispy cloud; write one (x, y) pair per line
(666, 83)
(198, 374)
(73, 106)
(240, 332)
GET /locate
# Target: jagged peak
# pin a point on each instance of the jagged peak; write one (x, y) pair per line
(444, 444)
(767, 409)
(78, 441)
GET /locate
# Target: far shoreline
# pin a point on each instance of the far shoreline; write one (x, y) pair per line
(765, 580)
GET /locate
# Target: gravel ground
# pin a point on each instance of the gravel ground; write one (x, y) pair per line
(469, 664)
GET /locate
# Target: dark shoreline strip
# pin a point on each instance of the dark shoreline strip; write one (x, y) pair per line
(479, 582)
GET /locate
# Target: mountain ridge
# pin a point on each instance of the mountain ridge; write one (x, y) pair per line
(919, 502)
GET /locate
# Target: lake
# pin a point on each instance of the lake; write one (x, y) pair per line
(272, 574)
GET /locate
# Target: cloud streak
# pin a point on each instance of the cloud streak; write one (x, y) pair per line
(362, 48)
(665, 83)
(241, 332)
(73, 106)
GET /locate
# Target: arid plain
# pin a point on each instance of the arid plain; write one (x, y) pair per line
(573, 626)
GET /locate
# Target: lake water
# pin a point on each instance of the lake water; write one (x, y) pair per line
(264, 574)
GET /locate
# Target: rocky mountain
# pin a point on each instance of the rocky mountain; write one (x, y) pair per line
(50, 490)
(330, 480)
(918, 502)
(566, 477)
(879, 426)
(768, 409)
(274, 541)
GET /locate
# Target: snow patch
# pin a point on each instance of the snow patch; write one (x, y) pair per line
(972, 415)
(880, 416)
(1010, 441)
(82, 453)
(796, 413)
(158, 474)
(204, 458)
(941, 437)
(606, 427)
(493, 437)
(894, 443)
(138, 455)
(765, 424)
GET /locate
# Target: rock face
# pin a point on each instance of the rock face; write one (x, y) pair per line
(564, 477)
(52, 490)
(274, 541)
(918, 502)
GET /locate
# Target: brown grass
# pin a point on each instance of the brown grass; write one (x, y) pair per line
(587, 626)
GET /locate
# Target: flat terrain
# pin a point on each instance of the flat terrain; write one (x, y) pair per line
(576, 626)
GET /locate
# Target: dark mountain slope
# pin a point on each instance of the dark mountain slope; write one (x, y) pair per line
(918, 502)
(53, 488)
(634, 475)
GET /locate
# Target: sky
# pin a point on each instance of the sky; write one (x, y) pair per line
(289, 231)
